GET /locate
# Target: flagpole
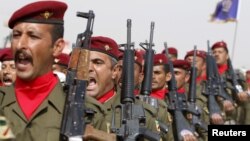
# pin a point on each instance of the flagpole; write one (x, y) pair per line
(234, 40)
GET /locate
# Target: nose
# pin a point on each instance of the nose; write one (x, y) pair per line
(91, 66)
(21, 42)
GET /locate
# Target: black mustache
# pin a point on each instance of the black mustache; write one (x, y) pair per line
(22, 53)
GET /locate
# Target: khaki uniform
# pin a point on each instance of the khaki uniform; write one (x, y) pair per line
(150, 113)
(45, 123)
(234, 115)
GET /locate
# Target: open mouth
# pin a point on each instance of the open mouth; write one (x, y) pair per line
(7, 80)
(92, 83)
(22, 59)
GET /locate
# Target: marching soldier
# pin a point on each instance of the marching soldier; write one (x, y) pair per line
(221, 55)
(37, 95)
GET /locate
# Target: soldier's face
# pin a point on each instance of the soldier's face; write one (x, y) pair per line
(8, 72)
(220, 55)
(199, 64)
(33, 49)
(159, 78)
(181, 77)
(138, 75)
(101, 74)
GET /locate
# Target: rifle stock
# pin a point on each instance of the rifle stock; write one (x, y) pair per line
(73, 124)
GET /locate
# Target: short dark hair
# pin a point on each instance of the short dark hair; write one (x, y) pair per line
(57, 32)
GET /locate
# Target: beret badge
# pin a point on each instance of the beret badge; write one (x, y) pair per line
(107, 47)
(46, 15)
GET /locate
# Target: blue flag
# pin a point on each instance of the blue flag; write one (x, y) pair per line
(226, 10)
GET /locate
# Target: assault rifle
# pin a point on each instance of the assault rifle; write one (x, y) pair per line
(73, 124)
(133, 119)
(196, 121)
(146, 87)
(176, 104)
(214, 85)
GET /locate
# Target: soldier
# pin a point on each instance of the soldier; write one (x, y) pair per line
(221, 55)
(181, 70)
(8, 72)
(37, 95)
(201, 100)
(161, 75)
(103, 73)
(172, 52)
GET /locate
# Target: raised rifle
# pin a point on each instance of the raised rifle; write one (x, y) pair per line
(176, 104)
(214, 84)
(146, 87)
(133, 119)
(196, 121)
(73, 124)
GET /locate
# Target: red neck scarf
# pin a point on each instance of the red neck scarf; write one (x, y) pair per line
(136, 92)
(222, 68)
(159, 94)
(107, 96)
(30, 95)
(201, 78)
(181, 90)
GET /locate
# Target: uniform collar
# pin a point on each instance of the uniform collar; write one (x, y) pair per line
(54, 99)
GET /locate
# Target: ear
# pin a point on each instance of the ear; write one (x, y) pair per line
(115, 71)
(58, 47)
(141, 77)
(168, 76)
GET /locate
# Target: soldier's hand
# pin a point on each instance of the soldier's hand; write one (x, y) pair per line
(97, 135)
(228, 106)
(217, 119)
(243, 96)
(188, 135)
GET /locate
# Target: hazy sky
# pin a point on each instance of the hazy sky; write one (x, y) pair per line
(180, 23)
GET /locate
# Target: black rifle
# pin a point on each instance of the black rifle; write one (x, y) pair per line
(133, 119)
(177, 105)
(146, 87)
(237, 88)
(73, 124)
(196, 121)
(214, 85)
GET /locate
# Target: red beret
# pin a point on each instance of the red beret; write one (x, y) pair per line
(50, 12)
(105, 45)
(199, 53)
(62, 59)
(138, 57)
(6, 54)
(183, 64)
(171, 50)
(160, 59)
(248, 71)
(220, 44)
